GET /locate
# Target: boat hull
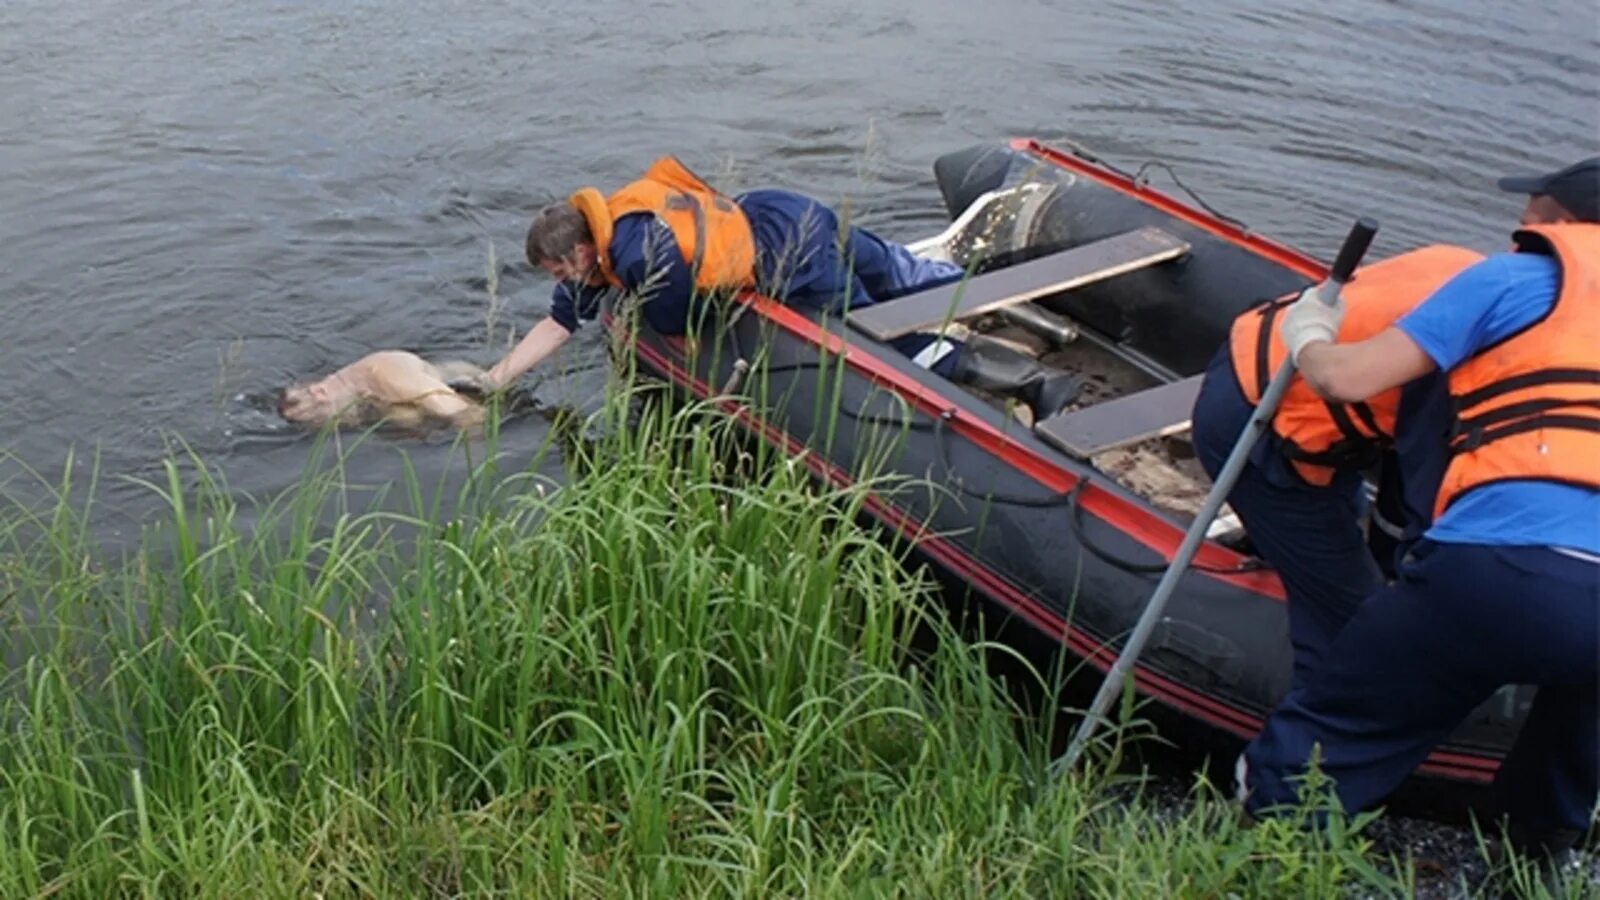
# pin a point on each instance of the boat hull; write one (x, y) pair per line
(1055, 551)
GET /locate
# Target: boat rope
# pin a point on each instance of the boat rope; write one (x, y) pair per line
(1069, 498)
(1084, 153)
(1142, 180)
(1139, 177)
(1072, 500)
(1075, 521)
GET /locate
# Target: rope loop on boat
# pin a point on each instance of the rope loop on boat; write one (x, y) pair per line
(1143, 180)
(1075, 522)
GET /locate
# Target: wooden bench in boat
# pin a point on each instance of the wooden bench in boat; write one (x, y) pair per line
(1150, 413)
(1063, 271)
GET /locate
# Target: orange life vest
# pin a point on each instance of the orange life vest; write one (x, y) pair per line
(1318, 436)
(1528, 408)
(711, 230)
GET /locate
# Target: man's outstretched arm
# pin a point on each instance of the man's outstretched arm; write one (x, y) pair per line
(545, 338)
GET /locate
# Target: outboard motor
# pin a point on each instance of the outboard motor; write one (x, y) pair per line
(1020, 220)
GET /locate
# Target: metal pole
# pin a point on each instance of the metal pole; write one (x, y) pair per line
(1355, 246)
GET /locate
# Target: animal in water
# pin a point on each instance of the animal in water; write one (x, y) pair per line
(395, 387)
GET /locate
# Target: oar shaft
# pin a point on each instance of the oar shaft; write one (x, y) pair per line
(1112, 685)
(1355, 246)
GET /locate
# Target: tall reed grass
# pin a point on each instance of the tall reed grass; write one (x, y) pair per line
(664, 678)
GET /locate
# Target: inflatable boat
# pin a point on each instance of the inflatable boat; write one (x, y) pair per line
(1060, 527)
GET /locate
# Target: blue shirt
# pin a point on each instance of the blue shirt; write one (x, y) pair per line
(1480, 307)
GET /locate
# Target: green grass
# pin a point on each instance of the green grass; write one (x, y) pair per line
(657, 680)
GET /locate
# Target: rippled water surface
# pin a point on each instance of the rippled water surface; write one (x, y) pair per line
(202, 201)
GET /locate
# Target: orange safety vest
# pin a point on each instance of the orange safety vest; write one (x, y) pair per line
(1528, 407)
(1319, 436)
(711, 230)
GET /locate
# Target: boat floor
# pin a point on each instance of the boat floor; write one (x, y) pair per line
(1161, 470)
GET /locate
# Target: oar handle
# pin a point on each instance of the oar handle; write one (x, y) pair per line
(1355, 246)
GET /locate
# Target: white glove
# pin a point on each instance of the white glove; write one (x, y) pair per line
(1309, 319)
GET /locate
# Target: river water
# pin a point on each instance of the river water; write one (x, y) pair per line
(200, 202)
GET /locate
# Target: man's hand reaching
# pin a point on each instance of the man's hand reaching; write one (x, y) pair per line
(477, 388)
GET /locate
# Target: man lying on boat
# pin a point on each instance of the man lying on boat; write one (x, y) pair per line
(390, 386)
(670, 237)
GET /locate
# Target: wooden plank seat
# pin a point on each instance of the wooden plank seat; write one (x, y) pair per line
(1063, 271)
(1150, 413)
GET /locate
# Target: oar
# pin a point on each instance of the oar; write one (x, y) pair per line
(1355, 246)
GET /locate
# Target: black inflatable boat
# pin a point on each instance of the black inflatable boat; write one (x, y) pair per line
(1061, 526)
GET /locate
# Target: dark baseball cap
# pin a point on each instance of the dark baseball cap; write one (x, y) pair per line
(1577, 187)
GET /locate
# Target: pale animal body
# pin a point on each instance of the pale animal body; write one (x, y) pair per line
(392, 386)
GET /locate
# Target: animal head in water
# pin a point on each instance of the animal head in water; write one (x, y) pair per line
(315, 402)
(306, 402)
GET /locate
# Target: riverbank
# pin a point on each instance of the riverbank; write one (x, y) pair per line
(664, 678)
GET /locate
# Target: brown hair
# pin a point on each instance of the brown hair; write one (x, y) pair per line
(556, 231)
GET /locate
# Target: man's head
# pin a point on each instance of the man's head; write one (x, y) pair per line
(559, 241)
(1570, 195)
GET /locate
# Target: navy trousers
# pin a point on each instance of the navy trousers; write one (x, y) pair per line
(885, 270)
(1311, 535)
(1461, 621)
(807, 257)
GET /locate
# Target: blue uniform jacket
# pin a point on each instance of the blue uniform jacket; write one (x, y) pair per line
(803, 257)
